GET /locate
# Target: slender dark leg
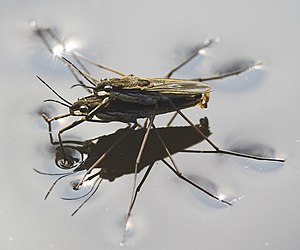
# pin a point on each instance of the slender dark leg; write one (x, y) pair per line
(137, 163)
(227, 74)
(203, 46)
(137, 190)
(194, 184)
(172, 119)
(95, 187)
(77, 54)
(166, 148)
(49, 120)
(222, 151)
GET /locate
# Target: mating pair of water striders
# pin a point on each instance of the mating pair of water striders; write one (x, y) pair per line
(126, 99)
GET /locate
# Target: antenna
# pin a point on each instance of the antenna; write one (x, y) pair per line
(58, 95)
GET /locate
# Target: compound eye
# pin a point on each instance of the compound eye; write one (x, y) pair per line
(108, 88)
(83, 109)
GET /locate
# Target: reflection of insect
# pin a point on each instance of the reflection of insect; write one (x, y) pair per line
(129, 97)
(121, 160)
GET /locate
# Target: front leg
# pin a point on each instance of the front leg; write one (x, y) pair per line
(49, 120)
(72, 125)
(66, 163)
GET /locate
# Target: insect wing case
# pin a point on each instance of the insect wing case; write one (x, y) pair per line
(134, 97)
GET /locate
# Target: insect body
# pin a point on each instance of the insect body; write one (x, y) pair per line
(129, 98)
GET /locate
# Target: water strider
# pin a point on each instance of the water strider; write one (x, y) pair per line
(127, 98)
